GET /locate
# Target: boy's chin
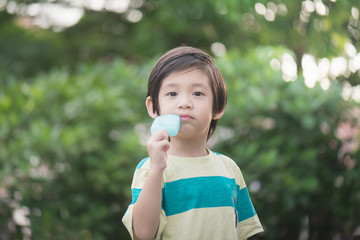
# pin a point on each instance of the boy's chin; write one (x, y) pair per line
(188, 134)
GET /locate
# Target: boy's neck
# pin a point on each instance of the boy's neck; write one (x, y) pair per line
(188, 147)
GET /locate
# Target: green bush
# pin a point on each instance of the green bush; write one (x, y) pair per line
(69, 150)
(283, 136)
(70, 144)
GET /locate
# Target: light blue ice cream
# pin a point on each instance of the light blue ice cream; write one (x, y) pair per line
(168, 122)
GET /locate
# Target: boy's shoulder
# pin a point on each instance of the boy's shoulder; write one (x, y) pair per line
(223, 157)
(143, 162)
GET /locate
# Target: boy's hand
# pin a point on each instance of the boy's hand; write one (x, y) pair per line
(157, 147)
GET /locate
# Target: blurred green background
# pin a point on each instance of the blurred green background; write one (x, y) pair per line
(73, 123)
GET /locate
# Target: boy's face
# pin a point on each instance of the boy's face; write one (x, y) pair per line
(187, 94)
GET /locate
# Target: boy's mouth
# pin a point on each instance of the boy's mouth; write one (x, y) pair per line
(185, 117)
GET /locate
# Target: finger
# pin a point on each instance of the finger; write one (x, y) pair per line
(160, 135)
(164, 144)
(161, 144)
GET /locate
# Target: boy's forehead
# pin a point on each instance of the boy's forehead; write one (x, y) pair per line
(192, 76)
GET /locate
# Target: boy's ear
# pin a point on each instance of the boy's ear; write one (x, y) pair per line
(218, 115)
(149, 107)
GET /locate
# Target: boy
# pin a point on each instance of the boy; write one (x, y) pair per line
(183, 190)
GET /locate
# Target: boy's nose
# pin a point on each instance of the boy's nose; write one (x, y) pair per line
(185, 102)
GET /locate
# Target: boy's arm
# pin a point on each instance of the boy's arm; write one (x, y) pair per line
(146, 212)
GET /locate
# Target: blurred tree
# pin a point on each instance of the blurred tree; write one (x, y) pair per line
(71, 143)
(72, 113)
(143, 29)
(285, 137)
(26, 52)
(68, 152)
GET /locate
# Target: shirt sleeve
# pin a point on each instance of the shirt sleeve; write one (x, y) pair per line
(139, 178)
(248, 223)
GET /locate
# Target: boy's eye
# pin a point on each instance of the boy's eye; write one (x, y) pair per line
(172, 94)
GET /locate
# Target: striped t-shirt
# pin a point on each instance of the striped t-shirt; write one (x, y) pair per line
(202, 198)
